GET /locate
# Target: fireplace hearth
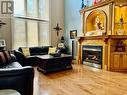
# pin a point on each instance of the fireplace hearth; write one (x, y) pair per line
(92, 56)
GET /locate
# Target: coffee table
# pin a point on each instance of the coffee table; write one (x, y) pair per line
(48, 63)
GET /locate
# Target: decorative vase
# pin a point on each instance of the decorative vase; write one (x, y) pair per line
(121, 29)
(120, 32)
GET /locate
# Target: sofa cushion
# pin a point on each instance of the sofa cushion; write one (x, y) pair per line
(39, 50)
(52, 50)
(5, 57)
(26, 51)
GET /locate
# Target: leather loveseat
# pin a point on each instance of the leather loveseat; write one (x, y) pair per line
(14, 76)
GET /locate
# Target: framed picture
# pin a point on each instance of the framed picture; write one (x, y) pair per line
(73, 34)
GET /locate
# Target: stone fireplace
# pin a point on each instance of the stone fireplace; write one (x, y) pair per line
(92, 56)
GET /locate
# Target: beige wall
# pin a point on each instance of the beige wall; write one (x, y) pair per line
(5, 30)
(56, 16)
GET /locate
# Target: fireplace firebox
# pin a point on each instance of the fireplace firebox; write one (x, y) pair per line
(92, 56)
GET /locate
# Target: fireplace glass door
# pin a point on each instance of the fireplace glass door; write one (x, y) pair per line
(92, 56)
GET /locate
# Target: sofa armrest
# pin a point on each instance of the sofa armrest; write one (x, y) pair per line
(15, 71)
(20, 79)
(13, 58)
(20, 57)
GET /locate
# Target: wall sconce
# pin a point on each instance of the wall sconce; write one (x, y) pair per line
(57, 28)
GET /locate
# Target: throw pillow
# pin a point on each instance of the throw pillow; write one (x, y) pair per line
(52, 50)
(26, 51)
(5, 57)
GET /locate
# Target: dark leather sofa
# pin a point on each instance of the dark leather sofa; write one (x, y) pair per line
(51, 64)
(34, 51)
(40, 50)
(14, 76)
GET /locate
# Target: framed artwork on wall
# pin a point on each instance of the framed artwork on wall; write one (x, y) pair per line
(73, 34)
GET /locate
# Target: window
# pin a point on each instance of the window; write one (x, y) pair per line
(43, 35)
(43, 9)
(19, 35)
(31, 23)
(32, 8)
(19, 10)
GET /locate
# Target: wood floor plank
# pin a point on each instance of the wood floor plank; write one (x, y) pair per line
(81, 80)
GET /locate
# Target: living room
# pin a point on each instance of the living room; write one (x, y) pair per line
(63, 47)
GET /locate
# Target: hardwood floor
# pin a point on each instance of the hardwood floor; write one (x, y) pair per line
(82, 80)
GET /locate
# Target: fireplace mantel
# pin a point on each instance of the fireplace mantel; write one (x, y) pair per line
(105, 38)
(109, 44)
